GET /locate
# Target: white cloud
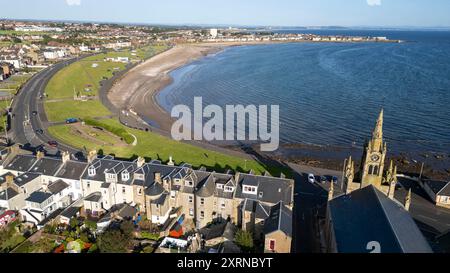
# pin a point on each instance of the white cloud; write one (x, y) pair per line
(374, 2)
(73, 2)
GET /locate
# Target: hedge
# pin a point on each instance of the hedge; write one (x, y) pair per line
(120, 132)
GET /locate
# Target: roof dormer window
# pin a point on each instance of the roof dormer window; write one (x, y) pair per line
(220, 186)
(92, 171)
(125, 176)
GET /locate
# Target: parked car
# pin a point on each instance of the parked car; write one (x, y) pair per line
(311, 178)
(35, 113)
(71, 120)
(335, 180)
(323, 179)
(53, 143)
(39, 131)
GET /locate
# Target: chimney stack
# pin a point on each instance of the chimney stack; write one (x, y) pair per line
(92, 156)
(158, 178)
(9, 181)
(40, 155)
(171, 162)
(140, 162)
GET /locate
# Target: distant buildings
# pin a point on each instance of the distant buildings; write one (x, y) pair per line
(214, 33)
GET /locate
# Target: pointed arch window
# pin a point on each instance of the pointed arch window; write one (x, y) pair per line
(370, 169)
(376, 170)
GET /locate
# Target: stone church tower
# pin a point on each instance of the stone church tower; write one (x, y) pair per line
(372, 170)
(372, 164)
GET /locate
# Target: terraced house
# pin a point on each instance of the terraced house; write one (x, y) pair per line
(159, 191)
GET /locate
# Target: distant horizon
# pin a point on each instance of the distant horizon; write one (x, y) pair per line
(375, 27)
(252, 13)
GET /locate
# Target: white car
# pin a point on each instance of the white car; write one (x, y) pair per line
(311, 178)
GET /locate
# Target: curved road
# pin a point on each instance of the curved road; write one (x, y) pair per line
(23, 123)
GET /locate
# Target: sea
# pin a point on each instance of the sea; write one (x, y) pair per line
(332, 93)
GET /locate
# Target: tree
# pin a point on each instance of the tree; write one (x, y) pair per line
(244, 240)
(74, 223)
(127, 228)
(113, 241)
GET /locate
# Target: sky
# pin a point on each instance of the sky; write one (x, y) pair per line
(385, 13)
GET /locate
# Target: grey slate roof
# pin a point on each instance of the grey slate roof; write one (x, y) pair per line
(21, 163)
(71, 212)
(368, 215)
(39, 197)
(280, 219)
(25, 178)
(72, 170)
(261, 211)
(46, 166)
(94, 197)
(3, 177)
(274, 189)
(57, 187)
(10, 193)
(155, 189)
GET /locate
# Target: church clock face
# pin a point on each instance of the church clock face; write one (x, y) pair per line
(375, 158)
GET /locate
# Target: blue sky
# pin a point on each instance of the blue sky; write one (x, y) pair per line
(424, 13)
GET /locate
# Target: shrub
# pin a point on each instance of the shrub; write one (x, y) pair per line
(244, 240)
(120, 132)
(149, 236)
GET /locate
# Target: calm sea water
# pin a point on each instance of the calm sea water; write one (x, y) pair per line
(330, 93)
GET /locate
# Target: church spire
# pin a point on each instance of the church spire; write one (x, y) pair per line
(331, 192)
(378, 132)
(408, 200)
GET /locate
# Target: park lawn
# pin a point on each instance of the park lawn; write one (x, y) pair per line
(60, 111)
(80, 76)
(154, 146)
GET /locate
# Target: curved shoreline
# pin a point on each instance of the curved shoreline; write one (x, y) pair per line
(151, 77)
(136, 90)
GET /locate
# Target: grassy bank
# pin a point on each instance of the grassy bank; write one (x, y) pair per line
(154, 146)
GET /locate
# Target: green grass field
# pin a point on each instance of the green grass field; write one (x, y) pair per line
(60, 111)
(79, 77)
(154, 146)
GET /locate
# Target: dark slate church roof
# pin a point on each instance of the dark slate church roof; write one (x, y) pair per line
(367, 215)
(280, 219)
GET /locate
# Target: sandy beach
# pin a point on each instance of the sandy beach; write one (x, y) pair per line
(136, 89)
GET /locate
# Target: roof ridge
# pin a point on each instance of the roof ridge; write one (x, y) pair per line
(386, 216)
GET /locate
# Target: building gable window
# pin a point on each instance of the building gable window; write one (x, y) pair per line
(191, 199)
(261, 194)
(229, 189)
(189, 183)
(220, 186)
(202, 201)
(202, 214)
